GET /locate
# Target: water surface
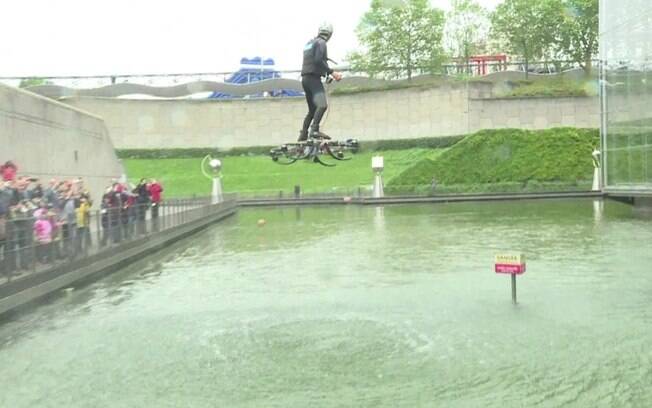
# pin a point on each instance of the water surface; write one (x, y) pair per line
(357, 306)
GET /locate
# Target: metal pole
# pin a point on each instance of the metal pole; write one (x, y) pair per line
(514, 288)
(98, 226)
(34, 251)
(604, 125)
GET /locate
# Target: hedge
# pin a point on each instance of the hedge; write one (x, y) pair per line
(188, 153)
(418, 143)
(372, 146)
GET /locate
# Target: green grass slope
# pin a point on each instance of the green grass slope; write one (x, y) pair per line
(521, 157)
(252, 175)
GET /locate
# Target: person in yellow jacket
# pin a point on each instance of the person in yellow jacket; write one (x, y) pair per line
(83, 225)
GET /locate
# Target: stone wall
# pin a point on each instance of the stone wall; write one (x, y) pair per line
(48, 139)
(451, 109)
(533, 113)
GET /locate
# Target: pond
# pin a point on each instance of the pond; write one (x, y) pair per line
(357, 306)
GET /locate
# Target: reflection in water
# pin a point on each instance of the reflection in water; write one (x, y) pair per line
(328, 312)
(643, 208)
(598, 210)
(379, 218)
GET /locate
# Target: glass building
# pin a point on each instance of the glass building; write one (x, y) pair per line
(626, 97)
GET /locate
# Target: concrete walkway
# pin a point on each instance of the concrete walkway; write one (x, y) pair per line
(266, 202)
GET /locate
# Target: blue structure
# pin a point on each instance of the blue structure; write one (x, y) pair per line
(254, 70)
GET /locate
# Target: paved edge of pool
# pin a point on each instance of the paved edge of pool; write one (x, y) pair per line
(23, 293)
(267, 202)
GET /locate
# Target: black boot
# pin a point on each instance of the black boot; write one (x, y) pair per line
(303, 135)
(316, 134)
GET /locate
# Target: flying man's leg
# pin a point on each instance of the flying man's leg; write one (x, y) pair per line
(308, 89)
(319, 100)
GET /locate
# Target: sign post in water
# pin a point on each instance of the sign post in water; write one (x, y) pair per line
(512, 264)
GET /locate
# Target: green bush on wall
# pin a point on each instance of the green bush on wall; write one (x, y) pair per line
(418, 143)
(182, 153)
(374, 145)
(551, 89)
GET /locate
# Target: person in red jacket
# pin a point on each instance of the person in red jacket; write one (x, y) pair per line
(155, 192)
(9, 170)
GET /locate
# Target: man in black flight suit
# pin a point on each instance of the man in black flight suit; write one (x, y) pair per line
(315, 66)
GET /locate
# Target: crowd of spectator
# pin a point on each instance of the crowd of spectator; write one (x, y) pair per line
(124, 209)
(44, 222)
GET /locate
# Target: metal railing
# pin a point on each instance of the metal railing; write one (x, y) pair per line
(28, 247)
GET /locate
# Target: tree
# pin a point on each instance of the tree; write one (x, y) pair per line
(528, 27)
(579, 32)
(466, 30)
(400, 37)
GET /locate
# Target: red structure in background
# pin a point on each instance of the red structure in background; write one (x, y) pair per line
(480, 62)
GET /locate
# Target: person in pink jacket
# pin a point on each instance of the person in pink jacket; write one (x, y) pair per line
(43, 235)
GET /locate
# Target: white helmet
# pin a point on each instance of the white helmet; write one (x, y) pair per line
(326, 30)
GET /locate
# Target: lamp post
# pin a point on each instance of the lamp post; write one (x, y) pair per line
(377, 165)
(598, 204)
(597, 179)
(211, 168)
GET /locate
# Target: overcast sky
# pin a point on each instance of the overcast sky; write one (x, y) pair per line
(102, 37)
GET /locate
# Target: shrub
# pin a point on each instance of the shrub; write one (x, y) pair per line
(372, 146)
(418, 143)
(188, 153)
